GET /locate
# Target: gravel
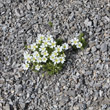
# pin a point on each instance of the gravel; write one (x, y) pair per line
(84, 82)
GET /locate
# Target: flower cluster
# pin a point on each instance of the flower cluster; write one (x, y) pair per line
(75, 42)
(44, 52)
(48, 53)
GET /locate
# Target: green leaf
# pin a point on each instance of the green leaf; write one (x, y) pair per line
(59, 41)
(82, 40)
(81, 36)
(50, 23)
(42, 74)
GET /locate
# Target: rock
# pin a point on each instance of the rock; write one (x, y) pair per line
(71, 17)
(104, 47)
(87, 22)
(18, 88)
(75, 108)
(88, 72)
(91, 108)
(17, 13)
(6, 107)
(2, 80)
(8, 1)
(71, 93)
(64, 100)
(95, 22)
(84, 106)
(1, 65)
(104, 107)
(108, 19)
(1, 5)
(100, 93)
(22, 105)
(33, 96)
(93, 49)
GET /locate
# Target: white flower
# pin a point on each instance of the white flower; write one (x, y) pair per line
(33, 46)
(26, 54)
(53, 44)
(49, 38)
(52, 58)
(44, 59)
(38, 41)
(25, 66)
(33, 59)
(46, 43)
(58, 48)
(42, 48)
(79, 45)
(28, 58)
(74, 41)
(45, 53)
(29, 46)
(55, 53)
(39, 59)
(37, 67)
(56, 60)
(41, 37)
(65, 46)
(63, 55)
(62, 59)
(35, 54)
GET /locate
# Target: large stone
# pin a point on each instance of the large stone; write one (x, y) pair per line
(93, 49)
(71, 93)
(6, 107)
(87, 22)
(2, 80)
(1, 5)
(71, 17)
(64, 100)
(104, 47)
(22, 105)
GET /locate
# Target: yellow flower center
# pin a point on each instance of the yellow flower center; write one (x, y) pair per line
(41, 37)
(56, 60)
(45, 53)
(44, 59)
(75, 42)
(61, 59)
(33, 58)
(64, 46)
(28, 59)
(34, 46)
(79, 45)
(45, 43)
(39, 58)
(53, 57)
(43, 48)
(48, 38)
(53, 44)
(37, 54)
(39, 41)
(58, 49)
(26, 65)
(55, 54)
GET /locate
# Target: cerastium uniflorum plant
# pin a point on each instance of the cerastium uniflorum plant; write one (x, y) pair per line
(79, 43)
(48, 53)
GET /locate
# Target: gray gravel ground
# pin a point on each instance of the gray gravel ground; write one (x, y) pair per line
(84, 83)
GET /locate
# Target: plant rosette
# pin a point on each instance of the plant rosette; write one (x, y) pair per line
(49, 53)
(45, 53)
(78, 43)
